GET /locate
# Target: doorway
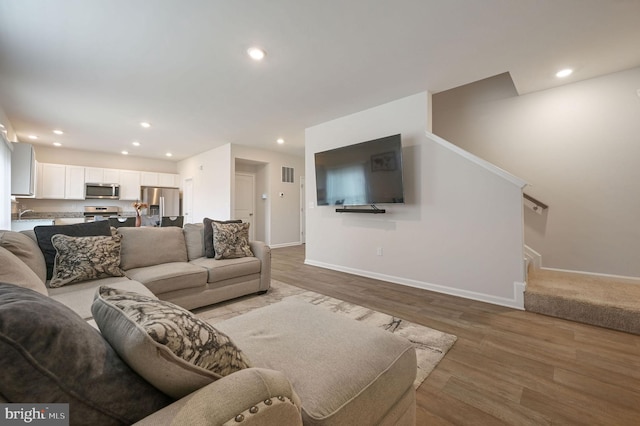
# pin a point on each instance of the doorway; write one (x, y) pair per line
(245, 201)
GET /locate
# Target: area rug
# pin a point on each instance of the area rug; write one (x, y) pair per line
(431, 345)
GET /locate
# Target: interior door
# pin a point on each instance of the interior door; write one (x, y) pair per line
(245, 201)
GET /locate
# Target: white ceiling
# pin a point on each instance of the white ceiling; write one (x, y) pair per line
(95, 69)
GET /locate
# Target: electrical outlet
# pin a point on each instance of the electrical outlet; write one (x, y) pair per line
(379, 251)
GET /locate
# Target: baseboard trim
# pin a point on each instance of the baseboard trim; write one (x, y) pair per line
(534, 257)
(633, 280)
(516, 303)
(281, 245)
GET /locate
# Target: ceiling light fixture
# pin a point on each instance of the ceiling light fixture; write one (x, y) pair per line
(256, 53)
(58, 132)
(125, 152)
(145, 124)
(280, 141)
(564, 73)
(57, 144)
(34, 137)
(168, 154)
(135, 143)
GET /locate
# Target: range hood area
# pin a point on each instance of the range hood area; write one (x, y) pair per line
(23, 169)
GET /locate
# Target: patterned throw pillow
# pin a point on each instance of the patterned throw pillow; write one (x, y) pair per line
(231, 240)
(85, 258)
(208, 235)
(164, 343)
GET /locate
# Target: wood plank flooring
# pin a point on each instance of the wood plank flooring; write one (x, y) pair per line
(508, 367)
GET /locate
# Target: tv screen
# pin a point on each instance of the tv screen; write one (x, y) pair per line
(361, 174)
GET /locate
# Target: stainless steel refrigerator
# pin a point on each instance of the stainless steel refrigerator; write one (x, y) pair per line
(162, 201)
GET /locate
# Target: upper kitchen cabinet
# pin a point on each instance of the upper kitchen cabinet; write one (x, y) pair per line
(160, 179)
(100, 175)
(59, 181)
(51, 181)
(23, 170)
(129, 185)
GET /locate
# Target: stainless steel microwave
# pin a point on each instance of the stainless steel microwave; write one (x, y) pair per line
(107, 191)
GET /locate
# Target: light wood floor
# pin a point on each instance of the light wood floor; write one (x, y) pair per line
(508, 366)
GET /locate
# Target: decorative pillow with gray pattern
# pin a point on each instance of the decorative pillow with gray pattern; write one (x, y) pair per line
(231, 240)
(164, 343)
(85, 258)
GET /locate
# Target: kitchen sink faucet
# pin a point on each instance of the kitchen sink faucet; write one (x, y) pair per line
(22, 212)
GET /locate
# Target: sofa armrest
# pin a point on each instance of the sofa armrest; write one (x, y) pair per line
(261, 396)
(263, 252)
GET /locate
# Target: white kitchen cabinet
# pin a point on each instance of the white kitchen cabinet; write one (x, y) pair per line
(93, 175)
(169, 180)
(111, 176)
(51, 181)
(148, 179)
(100, 175)
(129, 185)
(74, 182)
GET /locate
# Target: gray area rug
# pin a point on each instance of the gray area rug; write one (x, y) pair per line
(431, 345)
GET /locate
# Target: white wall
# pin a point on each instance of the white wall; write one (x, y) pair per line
(212, 182)
(460, 231)
(577, 145)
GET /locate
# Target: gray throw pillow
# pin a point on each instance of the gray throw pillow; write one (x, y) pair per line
(15, 271)
(85, 258)
(231, 240)
(48, 354)
(44, 234)
(166, 344)
(209, 251)
(26, 249)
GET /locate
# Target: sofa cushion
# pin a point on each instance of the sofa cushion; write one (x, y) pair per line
(231, 240)
(15, 271)
(166, 344)
(317, 350)
(27, 250)
(44, 234)
(209, 250)
(219, 270)
(147, 246)
(194, 239)
(49, 354)
(169, 276)
(85, 258)
(79, 297)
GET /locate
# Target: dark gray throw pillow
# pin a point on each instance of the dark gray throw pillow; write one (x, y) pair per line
(48, 354)
(209, 251)
(44, 234)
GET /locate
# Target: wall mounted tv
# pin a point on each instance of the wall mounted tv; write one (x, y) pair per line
(366, 173)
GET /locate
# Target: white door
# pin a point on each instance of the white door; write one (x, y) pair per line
(245, 201)
(187, 200)
(303, 233)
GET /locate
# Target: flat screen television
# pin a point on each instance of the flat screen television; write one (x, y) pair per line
(366, 173)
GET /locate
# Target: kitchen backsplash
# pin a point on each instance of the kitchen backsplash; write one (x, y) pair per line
(65, 208)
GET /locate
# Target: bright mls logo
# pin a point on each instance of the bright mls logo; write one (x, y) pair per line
(36, 414)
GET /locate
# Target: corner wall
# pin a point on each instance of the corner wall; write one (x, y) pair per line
(460, 231)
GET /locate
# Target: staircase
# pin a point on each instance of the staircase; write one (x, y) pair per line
(602, 301)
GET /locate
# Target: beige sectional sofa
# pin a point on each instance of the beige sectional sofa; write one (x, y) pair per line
(308, 365)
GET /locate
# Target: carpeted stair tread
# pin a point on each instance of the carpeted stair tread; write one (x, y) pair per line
(606, 302)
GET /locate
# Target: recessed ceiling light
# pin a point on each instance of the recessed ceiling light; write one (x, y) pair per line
(280, 141)
(125, 152)
(58, 132)
(145, 124)
(135, 143)
(564, 73)
(57, 144)
(32, 137)
(256, 53)
(168, 154)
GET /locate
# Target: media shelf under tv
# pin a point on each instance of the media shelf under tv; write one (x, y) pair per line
(373, 210)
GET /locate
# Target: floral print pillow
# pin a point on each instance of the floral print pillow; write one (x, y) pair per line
(85, 258)
(231, 240)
